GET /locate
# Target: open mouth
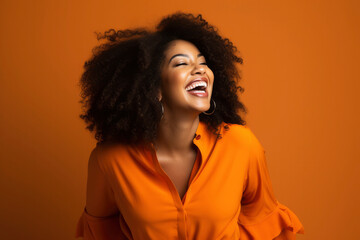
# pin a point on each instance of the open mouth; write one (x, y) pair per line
(197, 86)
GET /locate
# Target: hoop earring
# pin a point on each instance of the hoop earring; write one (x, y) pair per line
(206, 113)
(162, 110)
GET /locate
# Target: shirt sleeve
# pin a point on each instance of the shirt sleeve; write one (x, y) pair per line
(262, 217)
(98, 189)
(99, 228)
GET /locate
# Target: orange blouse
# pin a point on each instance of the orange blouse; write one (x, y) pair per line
(229, 193)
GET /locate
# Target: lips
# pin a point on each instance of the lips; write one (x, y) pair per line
(198, 87)
(200, 83)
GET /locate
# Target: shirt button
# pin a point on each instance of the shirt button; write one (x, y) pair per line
(198, 137)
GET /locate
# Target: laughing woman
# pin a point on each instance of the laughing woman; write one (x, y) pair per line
(174, 159)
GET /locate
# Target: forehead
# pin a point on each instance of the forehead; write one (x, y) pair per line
(181, 46)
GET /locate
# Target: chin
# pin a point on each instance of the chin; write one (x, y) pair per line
(203, 108)
(199, 105)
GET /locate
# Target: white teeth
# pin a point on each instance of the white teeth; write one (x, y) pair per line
(196, 84)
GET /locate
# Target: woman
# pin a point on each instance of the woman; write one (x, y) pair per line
(174, 159)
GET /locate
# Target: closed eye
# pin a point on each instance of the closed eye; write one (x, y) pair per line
(180, 64)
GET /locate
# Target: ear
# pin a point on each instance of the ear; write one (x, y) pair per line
(159, 96)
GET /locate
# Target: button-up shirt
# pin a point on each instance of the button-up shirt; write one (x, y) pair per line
(229, 193)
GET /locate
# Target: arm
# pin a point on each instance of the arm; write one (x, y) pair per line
(262, 217)
(100, 199)
(100, 218)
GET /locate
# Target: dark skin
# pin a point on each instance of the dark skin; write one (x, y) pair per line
(174, 146)
(178, 168)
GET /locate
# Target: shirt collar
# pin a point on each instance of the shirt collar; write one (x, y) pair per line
(205, 139)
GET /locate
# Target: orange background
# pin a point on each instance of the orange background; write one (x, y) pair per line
(301, 79)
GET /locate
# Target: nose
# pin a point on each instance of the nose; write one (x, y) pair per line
(199, 69)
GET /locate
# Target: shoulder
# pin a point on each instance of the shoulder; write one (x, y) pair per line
(241, 134)
(236, 132)
(107, 153)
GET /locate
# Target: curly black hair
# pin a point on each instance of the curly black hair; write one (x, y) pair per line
(121, 81)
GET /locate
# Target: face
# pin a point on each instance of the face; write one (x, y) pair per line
(187, 81)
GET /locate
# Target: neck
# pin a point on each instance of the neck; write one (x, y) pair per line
(175, 134)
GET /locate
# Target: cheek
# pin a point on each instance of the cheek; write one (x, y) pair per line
(211, 77)
(176, 81)
(211, 74)
(173, 84)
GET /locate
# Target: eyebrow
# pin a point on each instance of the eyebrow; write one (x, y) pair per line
(184, 55)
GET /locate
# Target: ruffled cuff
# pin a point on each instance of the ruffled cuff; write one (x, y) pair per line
(98, 228)
(272, 226)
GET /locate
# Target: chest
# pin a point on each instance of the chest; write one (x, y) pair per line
(179, 171)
